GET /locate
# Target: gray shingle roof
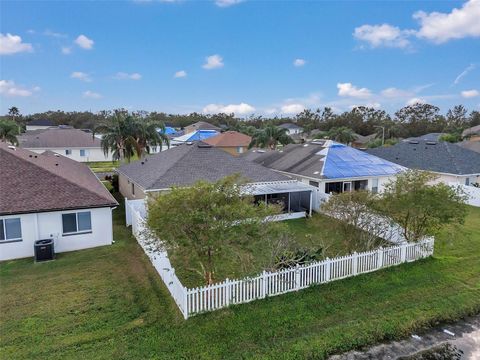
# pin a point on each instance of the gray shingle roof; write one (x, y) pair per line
(186, 164)
(31, 182)
(442, 157)
(290, 126)
(58, 138)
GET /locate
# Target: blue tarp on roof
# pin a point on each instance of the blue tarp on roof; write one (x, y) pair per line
(169, 130)
(197, 135)
(343, 161)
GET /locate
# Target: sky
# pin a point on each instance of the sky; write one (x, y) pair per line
(246, 57)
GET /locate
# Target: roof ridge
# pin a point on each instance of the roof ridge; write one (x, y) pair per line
(59, 176)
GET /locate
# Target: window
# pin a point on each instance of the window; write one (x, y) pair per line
(68, 151)
(10, 229)
(467, 181)
(84, 152)
(314, 183)
(374, 186)
(79, 222)
(240, 149)
(347, 186)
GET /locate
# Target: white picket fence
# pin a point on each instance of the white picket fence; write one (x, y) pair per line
(228, 292)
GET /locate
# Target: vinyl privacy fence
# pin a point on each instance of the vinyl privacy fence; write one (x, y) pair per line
(228, 292)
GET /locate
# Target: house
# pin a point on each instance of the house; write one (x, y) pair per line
(426, 137)
(201, 125)
(292, 129)
(472, 133)
(72, 143)
(452, 163)
(40, 124)
(233, 142)
(473, 145)
(47, 196)
(198, 135)
(361, 141)
(329, 166)
(187, 163)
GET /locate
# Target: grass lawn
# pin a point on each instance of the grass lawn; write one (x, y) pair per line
(103, 166)
(109, 303)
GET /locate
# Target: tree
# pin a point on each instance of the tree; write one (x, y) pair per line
(420, 119)
(9, 131)
(270, 136)
(13, 112)
(420, 207)
(457, 119)
(207, 222)
(342, 134)
(149, 133)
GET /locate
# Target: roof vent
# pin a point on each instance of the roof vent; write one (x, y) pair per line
(413, 142)
(12, 147)
(260, 150)
(142, 163)
(189, 143)
(431, 143)
(56, 164)
(305, 145)
(204, 145)
(57, 155)
(35, 156)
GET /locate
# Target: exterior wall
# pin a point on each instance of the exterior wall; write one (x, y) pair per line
(457, 179)
(94, 154)
(125, 188)
(382, 181)
(233, 150)
(36, 127)
(47, 225)
(294, 131)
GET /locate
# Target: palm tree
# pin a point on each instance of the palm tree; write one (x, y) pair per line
(149, 133)
(270, 136)
(342, 134)
(9, 131)
(13, 112)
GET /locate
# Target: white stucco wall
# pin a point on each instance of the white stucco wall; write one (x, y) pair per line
(36, 127)
(46, 225)
(94, 154)
(457, 179)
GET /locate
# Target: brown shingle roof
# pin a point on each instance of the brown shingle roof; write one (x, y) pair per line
(31, 182)
(229, 139)
(58, 138)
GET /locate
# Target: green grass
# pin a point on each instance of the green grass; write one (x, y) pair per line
(108, 303)
(103, 166)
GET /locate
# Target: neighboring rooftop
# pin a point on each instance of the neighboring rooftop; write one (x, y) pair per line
(229, 139)
(41, 122)
(290, 126)
(426, 137)
(31, 182)
(169, 130)
(473, 145)
(198, 135)
(202, 125)
(442, 157)
(185, 164)
(474, 130)
(324, 159)
(58, 137)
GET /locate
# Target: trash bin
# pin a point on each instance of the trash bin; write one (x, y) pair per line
(44, 250)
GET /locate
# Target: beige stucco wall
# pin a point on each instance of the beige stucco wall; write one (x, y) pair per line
(125, 188)
(232, 150)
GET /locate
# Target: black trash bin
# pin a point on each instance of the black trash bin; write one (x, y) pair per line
(44, 250)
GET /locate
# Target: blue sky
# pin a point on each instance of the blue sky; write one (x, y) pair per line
(261, 57)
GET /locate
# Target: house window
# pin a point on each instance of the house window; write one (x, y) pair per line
(240, 149)
(10, 229)
(84, 152)
(467, 181)
(77, 222)
(374, 186)
(314, 183)
(68, 151)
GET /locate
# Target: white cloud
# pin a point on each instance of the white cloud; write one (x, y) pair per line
(180, 74)
(66, 50)
(84, 42)
(458, 24)
(227, 3)
(91, 95)
(12, 44)
(383, 35)
(81, 76)
(54, 34)
(393, 92)
(10, 89)
(127, 76)
(237, 109)
(299, 62)
(414, 101)
(470, 93)
(464, 73)
(347, 89)
(293, 108)
(213, 62)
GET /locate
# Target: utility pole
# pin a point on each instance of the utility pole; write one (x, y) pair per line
(383, 133)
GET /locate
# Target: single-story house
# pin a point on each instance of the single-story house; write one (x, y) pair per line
(292, 129)
(329, 166)
(47, 196)
(185, 164)
(472, 133)
(201, 125)
(198, 135)
(452, 163)
(40, 124)
(233, 142)
(72, 143)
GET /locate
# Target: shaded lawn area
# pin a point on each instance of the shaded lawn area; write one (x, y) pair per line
(109, 303)
(312, 233)
(103, 166)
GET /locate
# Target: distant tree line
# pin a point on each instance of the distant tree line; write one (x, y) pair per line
(409, 121)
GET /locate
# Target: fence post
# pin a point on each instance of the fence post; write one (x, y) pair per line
(227, 290)
(355, 264)
(185, 303)
(403, 252)
(327, 269)
(264, 284)
(297, 278)
(127, 213)
(380, 258)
